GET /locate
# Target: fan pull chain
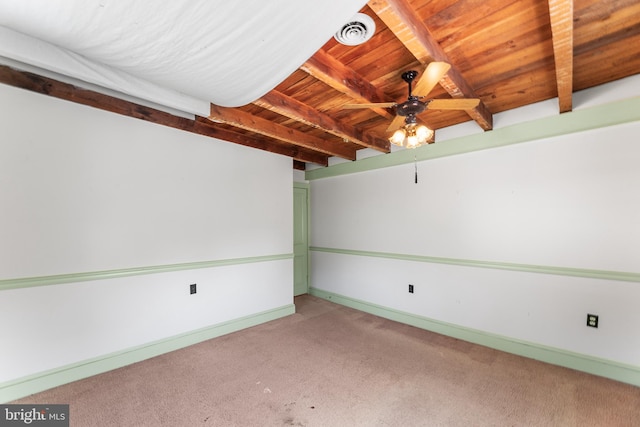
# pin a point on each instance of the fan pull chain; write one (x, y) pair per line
(415, 163)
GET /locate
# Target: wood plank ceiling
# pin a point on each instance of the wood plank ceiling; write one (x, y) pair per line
(507, 53)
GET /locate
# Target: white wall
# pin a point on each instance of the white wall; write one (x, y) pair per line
(571, 201)
(87, 191)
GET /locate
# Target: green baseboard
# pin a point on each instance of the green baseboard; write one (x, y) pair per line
(601, 367)
(26, 386)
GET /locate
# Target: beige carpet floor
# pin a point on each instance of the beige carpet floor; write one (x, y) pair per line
(330, 365)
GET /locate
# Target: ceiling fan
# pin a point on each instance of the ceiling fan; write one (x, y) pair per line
(408, 110)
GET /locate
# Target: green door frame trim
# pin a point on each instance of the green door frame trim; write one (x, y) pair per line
(602, 367)
(622, 276)
(610, 114)
(306, 186)
(28, 282)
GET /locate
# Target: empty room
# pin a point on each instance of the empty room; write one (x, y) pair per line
(336, 213)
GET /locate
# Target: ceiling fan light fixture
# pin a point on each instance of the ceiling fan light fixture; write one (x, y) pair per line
(423, 133)
(412, 141)
(398, 137)
(357, 31)
(411, 135)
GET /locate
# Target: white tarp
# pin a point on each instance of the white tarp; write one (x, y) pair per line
(183, 53)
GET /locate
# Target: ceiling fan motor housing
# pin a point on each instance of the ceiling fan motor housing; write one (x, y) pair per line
(411, 107)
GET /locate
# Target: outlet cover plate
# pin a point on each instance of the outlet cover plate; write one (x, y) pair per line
(192, 288)
(592, 320)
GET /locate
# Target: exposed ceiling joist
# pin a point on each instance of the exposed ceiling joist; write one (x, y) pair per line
(561, 16)
(300, 112)
(334, 73)
(267, 144)
(241, 119)
(400, 17)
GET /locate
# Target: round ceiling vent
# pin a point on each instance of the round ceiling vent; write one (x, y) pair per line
(357, 31)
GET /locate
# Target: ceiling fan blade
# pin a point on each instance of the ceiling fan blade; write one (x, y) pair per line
(374, 105)
(396, 123)
(430, 78)
(453, 104)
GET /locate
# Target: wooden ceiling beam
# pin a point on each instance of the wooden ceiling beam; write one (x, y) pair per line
(334, 73)
(308, 156)
(400, 17)
(209, 129)
(68, 92)
(289, 107)
(561, 17)
(297, 153)
(241, 119)
(203, 126)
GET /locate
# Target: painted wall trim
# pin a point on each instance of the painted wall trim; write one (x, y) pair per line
(601, 367)
(623, 276)
(610, 114)
(28, 282)
(26, 386)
